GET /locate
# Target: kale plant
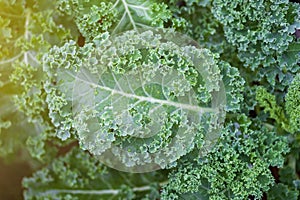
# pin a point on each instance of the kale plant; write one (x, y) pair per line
(159, 99)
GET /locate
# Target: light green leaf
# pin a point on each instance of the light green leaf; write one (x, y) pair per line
(134, 14)
(133, 103)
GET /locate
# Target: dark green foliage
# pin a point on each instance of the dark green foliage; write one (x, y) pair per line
(78, 176)
(236, 168)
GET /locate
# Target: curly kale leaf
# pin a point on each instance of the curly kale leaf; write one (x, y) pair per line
(282, 192)
(59, 95)
(77, 175)
(14, 128)
(234, 86)
(197, 20)
(288, 186)
(293, 104)
(29, 30)
(237, 168)
(287, 118)
(269, 104)
(93, 17)
(263, 31)
(138, 99)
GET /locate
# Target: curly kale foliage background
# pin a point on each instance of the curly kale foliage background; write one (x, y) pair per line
(29, 30)
(263, 31)
(255, 46)
(78, 176)
(235, 169)
(293, 104)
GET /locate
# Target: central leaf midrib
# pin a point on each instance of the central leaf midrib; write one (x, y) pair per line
(149, 99)
(129, 14)
(96, 192)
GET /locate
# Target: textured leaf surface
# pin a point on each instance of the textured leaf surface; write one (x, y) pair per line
(235, 169)
(134, 103)
(94, 17)
(28, 30)
(78, 176)
(293, 104)
(263, 37)
(138, 98)
(135, 14)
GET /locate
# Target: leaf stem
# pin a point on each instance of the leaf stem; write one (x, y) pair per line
(129, 14)
(11, 15)
(97, 192)
(269, 126)
(26, 36)
(11, 59)
(149, 99)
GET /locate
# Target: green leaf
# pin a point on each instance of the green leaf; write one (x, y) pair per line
(93, 18)
(282, 192)
(136, 14)
(132, 104)
(293, 104)
(238, 167)
(261, 32)
(268, 102)
(29, 30)
(294, 47)
(77, 175)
